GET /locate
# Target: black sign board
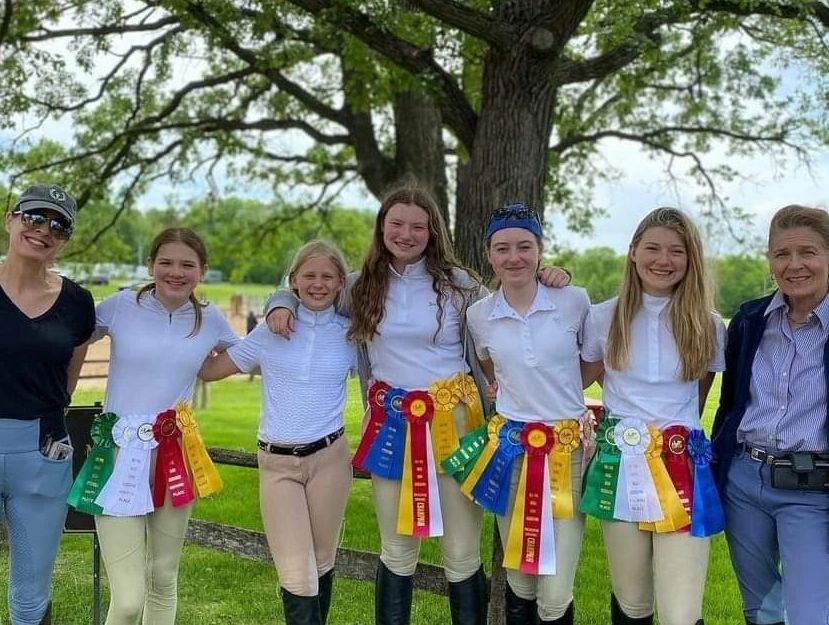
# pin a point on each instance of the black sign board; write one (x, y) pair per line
(79, 424)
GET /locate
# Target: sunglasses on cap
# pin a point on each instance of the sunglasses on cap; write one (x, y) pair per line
(60, 228)
(514, 211)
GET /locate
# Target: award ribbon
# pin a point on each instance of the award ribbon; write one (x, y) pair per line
(418, 512)
(599, 497)
(97, 467)
(460, 462)
(466, 391)
(376, 398)
(531, 542)
(491, 490)
(205, 476)
(675, 456)
(385, 455)
(127, 492)
(636, 499)
(707, 516)
(442, 427)
(170, 472)
(674, 515)
(474, 473)
(566, 442)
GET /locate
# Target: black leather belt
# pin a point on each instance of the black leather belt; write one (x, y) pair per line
(761, 455)
(300, 451)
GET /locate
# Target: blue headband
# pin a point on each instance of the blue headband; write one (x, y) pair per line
(513, 216)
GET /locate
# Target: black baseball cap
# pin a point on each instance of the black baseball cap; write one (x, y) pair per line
(50, 197)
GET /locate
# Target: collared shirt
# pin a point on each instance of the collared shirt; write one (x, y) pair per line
(304, 379)
(537, 356)
(787, 402)
(651, 387)
(153, 360)
(406, 352)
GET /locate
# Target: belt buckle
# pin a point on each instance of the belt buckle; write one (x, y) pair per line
(297, 451)
(757, 454)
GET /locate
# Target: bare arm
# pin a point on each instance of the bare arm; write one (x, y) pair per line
(590, 372)
(704, 387)
(73, 372)
(217, 367)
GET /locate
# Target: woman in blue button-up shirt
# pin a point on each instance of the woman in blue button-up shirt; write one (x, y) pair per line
(773, 405)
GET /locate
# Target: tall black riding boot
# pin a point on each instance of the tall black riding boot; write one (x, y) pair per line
(325, 584)
(520, 611)
(46, 619)
(300, 610)
(618, 617)
(564, 619)
(392, 597)
(468, 600)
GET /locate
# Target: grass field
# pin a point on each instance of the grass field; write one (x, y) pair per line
(219, 589)
(218, 293)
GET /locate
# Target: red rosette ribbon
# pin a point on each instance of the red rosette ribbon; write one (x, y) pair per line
(418, 408)
(170, 471)
(675, 457)
(376, 416)
(537, 439)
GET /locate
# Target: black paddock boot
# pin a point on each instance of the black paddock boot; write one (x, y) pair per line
(617, 617)
(392, 597)
(326, 582)
(300, 610)
(564, 619)
(47, 615)
(468, 600)
(520, 611)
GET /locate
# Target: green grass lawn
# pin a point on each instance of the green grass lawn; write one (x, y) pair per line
(218, 293)
(219, 589)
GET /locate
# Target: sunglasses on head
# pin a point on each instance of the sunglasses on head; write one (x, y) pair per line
(60, 228)
(514, 211)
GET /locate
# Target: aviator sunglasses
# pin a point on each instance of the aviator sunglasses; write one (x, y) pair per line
(60, 228)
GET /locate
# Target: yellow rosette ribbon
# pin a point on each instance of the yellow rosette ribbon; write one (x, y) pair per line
(567, 440)
(203, 472)
(467, 391)
(492, 429)
(674, 515)
(444, 433)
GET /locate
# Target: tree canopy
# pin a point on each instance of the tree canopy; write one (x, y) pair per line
(486, 101)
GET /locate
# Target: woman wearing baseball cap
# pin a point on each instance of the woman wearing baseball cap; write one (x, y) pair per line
(45, 322)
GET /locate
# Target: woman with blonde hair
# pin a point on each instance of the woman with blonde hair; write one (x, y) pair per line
(771, 432)
(304, 468)
(649, 481)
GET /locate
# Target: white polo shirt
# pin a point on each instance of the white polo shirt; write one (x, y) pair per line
(303, 379)
(153, 361)
(406, 352)
(650, 388)
(537, 357)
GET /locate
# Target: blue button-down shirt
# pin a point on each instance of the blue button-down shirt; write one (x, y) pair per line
(787, 405)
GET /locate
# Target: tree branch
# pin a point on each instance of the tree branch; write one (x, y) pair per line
(46, 34)
(470, 21)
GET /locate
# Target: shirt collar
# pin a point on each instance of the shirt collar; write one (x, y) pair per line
(315, 317)
(655, 304)
(149, 298)
(502, 309)
(415, 270)
(778, 302)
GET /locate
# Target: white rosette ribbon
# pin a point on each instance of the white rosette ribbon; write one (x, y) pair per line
(127, 492)
(636, 498)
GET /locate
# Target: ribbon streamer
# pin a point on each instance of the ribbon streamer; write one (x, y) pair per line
(560, 461)
(127, 492)
(97, 468)
(636, 499)
(599, 497)
(205, 476)
(707, 516)
(170, 471)
(442, 427)
(460, 462)
(473, 475)
(466, 391)
(386, 455)
(491, 490)
(674, 515)
(377, 415)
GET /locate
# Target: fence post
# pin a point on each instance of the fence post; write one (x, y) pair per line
(497, 581)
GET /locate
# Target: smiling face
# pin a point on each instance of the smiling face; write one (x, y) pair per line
(405, 234)
(36, 243)
(799, 262)
(176, 271)
(514, 254)
(661, 260)
(317, 282)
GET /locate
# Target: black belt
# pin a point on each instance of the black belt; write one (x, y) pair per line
(761, 455)
(300, 451)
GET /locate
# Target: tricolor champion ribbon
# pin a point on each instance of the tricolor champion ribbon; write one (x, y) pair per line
(127, 491)
(385, 456)
(376, 416)
(567, 440)
(530, 545)
(678, 464)
(419, 506)
(442, 427)
(461, 461)
(474, 473)
(170, 471)
(707, 516)
(636, 498)
(205, 476)
(97, 468)
(601, 481)
(491, 490)
(674, 515)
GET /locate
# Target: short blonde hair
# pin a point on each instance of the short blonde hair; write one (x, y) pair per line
(314, 249)
(797, 216)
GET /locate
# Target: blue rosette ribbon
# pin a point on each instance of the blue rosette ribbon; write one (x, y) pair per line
(385, 456)
(491, 491)
(707, 516)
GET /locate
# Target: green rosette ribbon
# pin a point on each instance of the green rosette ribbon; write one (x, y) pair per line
(599, 497)
(97, 468)
(460, 462)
